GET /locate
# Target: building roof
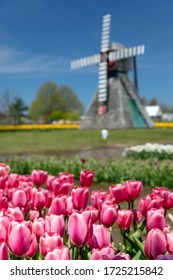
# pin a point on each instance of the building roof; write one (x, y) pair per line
(154, 111)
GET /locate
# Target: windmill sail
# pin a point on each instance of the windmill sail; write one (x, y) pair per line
(103, 66)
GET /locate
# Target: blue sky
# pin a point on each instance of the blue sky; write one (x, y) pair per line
(39, 38)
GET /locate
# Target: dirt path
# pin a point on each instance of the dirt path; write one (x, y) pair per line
(88, 152)
(101, 153)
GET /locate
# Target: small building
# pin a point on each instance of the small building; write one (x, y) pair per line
(154, 112)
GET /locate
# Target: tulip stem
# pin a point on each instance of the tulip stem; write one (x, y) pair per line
(132, 204)
(75, 253)
(124, 238)
(165, 213)
(111, 235)
(79, 253)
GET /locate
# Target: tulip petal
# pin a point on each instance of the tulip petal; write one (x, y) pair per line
(77, 229)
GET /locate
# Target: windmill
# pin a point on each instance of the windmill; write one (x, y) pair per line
(116, 103)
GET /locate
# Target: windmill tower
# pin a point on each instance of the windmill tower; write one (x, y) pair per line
(116, 103)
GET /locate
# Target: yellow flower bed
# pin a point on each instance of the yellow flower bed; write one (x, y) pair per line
(64, 126)
(38, 126)
(163, 124)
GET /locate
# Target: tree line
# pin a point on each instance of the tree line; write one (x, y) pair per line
(51, 103)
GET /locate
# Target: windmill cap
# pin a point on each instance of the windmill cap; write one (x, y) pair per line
(116, 46)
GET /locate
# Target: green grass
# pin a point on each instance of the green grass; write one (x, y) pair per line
(56, 141)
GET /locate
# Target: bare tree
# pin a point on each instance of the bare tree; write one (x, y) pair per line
(6, 99)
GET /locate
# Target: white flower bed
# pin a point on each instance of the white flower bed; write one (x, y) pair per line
(148, 147)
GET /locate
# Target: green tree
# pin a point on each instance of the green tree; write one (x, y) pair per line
(153, 102)
(166, 108)
(51, 103)
(17, 110)
(72, 103)
(48, 99)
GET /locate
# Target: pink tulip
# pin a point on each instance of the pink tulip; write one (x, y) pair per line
(19, 198)
(50, 179)
(60, 185)
(167, 199)
(55, 223)
(4, 170)
(3, 233)
(61, 188)
(108, 214)
(16, 214)
(38, 200)
(125, 218)
(58, 206)
(5, 222)
(33, 214)
(39, 177)
(155, 243)
(80, 197)
(169, 238)
(159, 190)
(169, 202)
(101, 237)
(165, 257)
(33, 247)
(155, 219)
(49, 242)
(3, 201)
(3, 251)
(3, 181)
(94, 214)
(69, 206)
(122, 256)
(98, 254)
(19, 239)
(27, 187)
(38, 227)
(66, 177)
(80, 228)
(88, 219)
(167, 229)
(137, 216)
(97, 198)
(13, 180)
(48, 196)
(166, 195)
(149, 202)
(117, 192)
(86, 178)
(132, 190)
(61, 253)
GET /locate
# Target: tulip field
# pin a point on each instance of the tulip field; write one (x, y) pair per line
(49, 217)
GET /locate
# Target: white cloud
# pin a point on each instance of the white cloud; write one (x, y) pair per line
(16, 62)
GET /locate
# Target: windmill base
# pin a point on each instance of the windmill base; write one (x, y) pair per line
(125, 109)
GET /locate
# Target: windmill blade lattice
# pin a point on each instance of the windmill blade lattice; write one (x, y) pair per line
(85, 61)
(126, 53)
(103, 65)
(105, 38)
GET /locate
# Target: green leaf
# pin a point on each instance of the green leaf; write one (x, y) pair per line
(137, 256)
(136, 245)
